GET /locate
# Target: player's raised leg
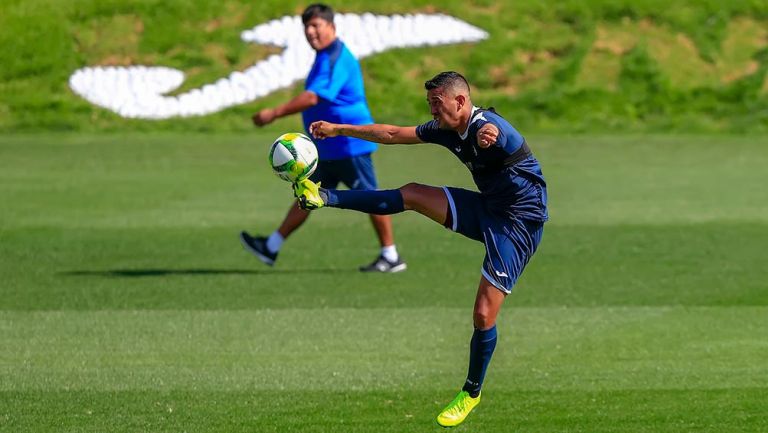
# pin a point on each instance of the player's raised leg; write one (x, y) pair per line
(488, 302)
(427, 200)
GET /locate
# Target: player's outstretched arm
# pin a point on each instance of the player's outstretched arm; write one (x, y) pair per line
(379, 133)
(298, 104)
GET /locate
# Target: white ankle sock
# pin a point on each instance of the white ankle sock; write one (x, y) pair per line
(390, 253)
(275, 241)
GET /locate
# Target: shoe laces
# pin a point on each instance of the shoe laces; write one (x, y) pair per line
(458, 405)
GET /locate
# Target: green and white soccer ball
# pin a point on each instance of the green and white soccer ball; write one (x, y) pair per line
(293, 157)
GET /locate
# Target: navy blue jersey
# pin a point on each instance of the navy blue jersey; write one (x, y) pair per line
(510, 188)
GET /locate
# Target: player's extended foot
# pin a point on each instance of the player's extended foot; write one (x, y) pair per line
(308, 194)
(258, 247)
(457, 410)
(381, 264)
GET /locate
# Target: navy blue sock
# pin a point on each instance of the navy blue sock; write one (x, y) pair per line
(384, 202)
(480, 352)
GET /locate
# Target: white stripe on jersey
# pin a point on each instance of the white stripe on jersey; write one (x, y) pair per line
(474, 117)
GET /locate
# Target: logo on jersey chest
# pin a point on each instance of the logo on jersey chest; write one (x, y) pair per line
(469, 158)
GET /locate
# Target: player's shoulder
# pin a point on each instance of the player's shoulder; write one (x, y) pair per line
(480, 116)
(428, 127)
(342, 50)
(429, 124)
(430, 132)
(337, 49)
(488, 115)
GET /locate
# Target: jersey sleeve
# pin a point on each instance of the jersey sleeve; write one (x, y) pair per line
(330, 78)
(430, 132)
(483, 118)
(481, 121)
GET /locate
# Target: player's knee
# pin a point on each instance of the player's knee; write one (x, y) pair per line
(410, 192)
(483, 319)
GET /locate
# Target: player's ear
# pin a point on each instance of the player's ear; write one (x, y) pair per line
(460, 101)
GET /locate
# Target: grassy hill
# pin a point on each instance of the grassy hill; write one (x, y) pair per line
(643, 65)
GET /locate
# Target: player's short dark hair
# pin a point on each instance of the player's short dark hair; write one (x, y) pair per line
(317, 10)
(448, 79)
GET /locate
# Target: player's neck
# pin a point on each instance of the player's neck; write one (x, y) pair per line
(466, 117)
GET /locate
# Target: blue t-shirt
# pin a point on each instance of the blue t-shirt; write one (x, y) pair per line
(337, 80)
(517, 191)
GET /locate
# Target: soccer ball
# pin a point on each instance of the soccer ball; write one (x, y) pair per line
(293, 157)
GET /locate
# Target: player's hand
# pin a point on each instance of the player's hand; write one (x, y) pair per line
(264, 117)
(322, 129)
(487, 135)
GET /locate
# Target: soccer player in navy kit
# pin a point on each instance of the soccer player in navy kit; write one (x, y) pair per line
(334, 91)
(507, 214)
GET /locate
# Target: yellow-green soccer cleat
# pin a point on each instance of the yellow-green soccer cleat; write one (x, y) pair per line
(308, 194)
(457, 410)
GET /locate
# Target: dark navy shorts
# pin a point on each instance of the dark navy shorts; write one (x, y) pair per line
(509, 242)
(355, 172)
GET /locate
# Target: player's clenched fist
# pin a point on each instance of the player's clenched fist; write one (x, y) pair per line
(264, 117)
(322, 129)
(487, 135)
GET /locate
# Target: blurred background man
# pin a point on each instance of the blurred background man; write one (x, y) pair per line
(334, 92)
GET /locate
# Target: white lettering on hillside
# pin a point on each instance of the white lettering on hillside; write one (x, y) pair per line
(139, 91)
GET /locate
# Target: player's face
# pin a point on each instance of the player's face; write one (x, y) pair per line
(320, 33)
(444, 107)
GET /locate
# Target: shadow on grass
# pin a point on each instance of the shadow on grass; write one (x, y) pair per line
(136, 273)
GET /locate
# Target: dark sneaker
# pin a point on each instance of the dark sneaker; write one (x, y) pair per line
(383, 265)
(258, 247)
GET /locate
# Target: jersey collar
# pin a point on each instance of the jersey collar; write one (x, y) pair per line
(332, 46)
(469, 122)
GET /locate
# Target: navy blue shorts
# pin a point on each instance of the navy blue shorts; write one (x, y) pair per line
(355, 172)
(509, 242)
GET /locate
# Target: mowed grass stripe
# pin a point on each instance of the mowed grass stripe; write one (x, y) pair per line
(635, 411)
(177, 269)
(198, 180)
(383, 349)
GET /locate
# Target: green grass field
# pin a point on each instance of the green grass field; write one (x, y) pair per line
(128, 305)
